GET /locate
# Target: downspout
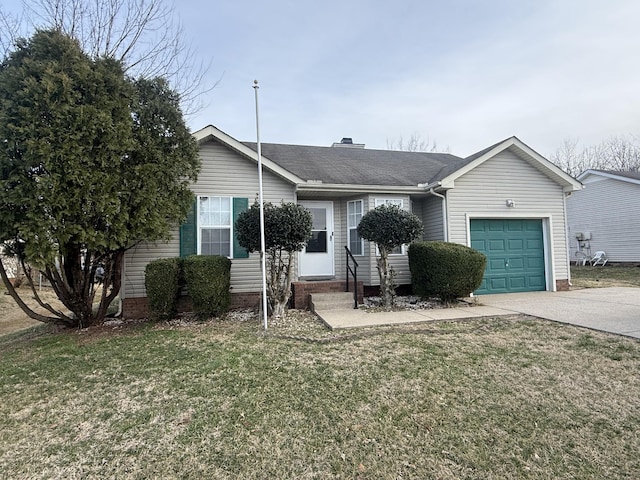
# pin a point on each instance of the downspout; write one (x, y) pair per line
(566, 236)
(445, 225)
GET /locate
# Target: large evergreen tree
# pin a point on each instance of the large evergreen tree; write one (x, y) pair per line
(91, 163)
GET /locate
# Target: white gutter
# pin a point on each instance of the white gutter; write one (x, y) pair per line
(317, 186)
(445, 224)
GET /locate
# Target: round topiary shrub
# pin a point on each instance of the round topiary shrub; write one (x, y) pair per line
(445, 270)
(208, 282)
(162, 282)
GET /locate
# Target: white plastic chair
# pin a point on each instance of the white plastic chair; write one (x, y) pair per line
(599, 258)
(582, 258)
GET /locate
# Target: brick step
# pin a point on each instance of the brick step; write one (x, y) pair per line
(331, 301)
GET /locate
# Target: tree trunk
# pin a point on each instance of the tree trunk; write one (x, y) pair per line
(279, 282)
(25, 308)
(74, 285)
(386, 275)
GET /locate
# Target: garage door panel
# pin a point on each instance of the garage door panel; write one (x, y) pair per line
(537, 281)
(498, 283)
(495, 226)
(478, 226)
(516, 263)
(496, 265)
(479, 245)
(515, 254)
(497, 245)
(515, 244)
(535, 263)
(514, 226)
(532, 225)
(534, 244)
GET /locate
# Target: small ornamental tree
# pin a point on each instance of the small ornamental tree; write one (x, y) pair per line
(389, 227)
(287, 230)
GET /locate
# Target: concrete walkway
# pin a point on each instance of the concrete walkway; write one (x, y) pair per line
(614, 310)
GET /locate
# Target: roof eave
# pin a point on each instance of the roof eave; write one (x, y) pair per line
(600, 173)
(355, 188)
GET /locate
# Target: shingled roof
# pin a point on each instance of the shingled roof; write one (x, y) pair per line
(360, 166)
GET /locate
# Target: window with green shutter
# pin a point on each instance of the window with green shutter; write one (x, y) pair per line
(239, 206)
(189, 234)
(209, 227)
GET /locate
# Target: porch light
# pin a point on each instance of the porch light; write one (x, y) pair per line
(510, 203)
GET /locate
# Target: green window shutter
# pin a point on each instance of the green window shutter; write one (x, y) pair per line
(239, 206)
(189, 233)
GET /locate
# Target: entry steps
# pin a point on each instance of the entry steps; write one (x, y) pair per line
(331, 301)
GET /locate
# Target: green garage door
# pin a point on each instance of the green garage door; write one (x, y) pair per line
(515, 254)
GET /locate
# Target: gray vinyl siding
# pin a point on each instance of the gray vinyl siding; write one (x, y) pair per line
(432, 218)
(223, 173)
(341, 236)
(608, 209)
(482, 193)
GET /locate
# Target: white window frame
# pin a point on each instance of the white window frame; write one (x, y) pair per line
(212, 226)
(391, 201)
(351, 227)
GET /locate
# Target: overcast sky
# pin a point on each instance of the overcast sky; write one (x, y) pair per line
(463, 73)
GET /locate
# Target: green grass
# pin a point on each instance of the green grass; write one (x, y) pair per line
(493, 399)
(607, 276)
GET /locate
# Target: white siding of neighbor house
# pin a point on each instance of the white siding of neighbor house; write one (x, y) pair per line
(223, 173)
(482, 193)
(432, 218)
(609, 210)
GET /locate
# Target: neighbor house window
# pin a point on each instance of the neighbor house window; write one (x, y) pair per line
(391, 201)
(214, 226)
(354, 215)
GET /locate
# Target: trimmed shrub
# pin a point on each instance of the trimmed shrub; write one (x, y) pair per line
(162, 281)
(208, 281)
(445, 270)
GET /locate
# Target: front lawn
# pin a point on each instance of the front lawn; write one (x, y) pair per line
(607, 276)
(493, 399)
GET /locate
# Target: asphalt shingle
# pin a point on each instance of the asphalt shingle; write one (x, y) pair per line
(360, 166)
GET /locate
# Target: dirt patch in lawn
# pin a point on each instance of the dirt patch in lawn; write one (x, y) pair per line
(13, 319)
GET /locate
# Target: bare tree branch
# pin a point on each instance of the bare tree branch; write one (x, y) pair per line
(415, 143)
(9, 32)
(28, 272)
(145, 35)
(620, 153)
(25, 308)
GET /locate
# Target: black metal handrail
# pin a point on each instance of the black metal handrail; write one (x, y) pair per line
(353, 271)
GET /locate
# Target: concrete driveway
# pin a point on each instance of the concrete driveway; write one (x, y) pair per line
(615, 310)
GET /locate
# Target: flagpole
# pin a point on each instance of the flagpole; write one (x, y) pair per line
(263, 256)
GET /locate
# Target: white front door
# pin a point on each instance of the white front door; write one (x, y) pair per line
(316, 259)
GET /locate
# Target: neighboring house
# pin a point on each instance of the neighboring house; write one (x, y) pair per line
(506, 201)
(604, 216)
